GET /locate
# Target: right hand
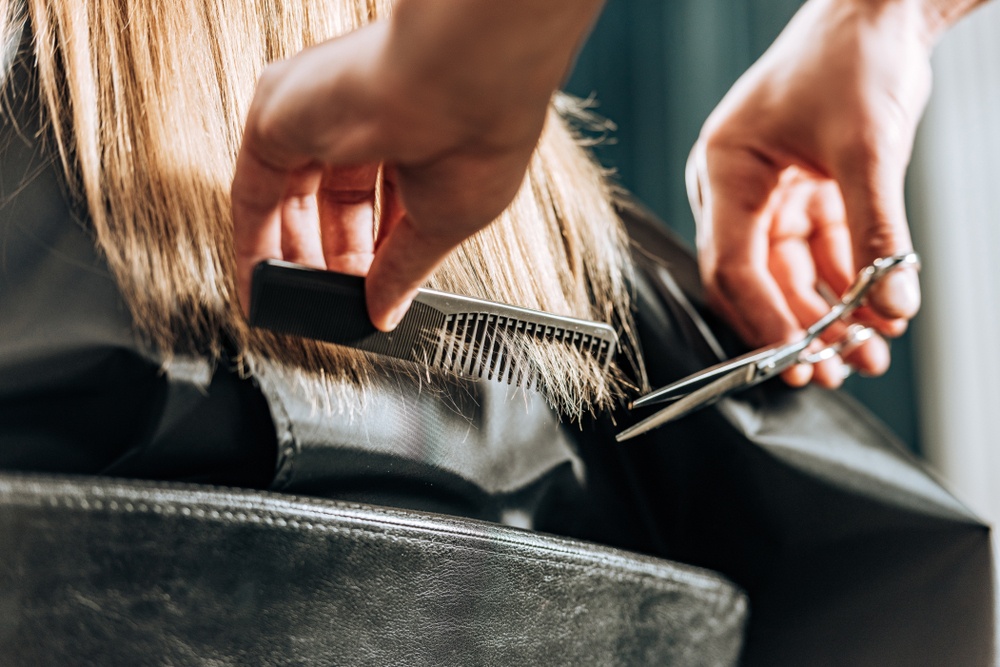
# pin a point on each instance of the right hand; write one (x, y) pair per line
(800, 170)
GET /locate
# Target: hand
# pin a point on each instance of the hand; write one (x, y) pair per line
(440, 97)
(800, 174)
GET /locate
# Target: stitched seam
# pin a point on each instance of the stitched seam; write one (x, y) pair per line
(662, 583)
(46, 488)
(690, 574)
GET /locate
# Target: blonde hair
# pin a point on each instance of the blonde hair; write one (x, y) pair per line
(146, 100)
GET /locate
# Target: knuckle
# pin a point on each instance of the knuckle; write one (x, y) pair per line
(882, 240)
(300, 204)
(264, 127)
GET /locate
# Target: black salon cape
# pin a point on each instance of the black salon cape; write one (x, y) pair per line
(850, 553)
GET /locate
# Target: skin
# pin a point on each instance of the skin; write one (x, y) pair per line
(425, 96)
(800, 174)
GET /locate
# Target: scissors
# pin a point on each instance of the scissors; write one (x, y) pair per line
(709, 385)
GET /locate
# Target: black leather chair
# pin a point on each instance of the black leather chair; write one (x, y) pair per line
(98, 571)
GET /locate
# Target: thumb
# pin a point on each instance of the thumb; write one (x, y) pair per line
(406, 258)
(876, 215)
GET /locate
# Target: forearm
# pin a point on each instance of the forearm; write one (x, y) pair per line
(485, 55)
(935, 16)
(941, 14)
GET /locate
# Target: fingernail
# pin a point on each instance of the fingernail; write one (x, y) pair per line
(396, 316)
(838, 372)
(897, 295)
(798, 375)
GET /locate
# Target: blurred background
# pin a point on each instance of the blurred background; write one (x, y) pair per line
(656, 69)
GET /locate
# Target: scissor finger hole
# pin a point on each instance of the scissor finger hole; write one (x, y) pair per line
(853, 337)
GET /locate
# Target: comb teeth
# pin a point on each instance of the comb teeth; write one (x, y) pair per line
(469, 337)
(478, 345)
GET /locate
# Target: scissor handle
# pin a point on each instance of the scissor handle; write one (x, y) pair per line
(875, 271)
(858, 290)
(855, 335)
(772, 360)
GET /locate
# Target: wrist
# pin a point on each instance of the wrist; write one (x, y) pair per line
(940, 15)
(933, 17)
(497, 50)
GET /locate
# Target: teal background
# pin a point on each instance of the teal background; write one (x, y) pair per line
(657, 68)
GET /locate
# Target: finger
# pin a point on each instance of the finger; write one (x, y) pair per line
(876, 214)
(799, 375)
(257, 196)
(392, 210)
(405, 260)
(297, 117)
(300, 238)
(793, 268)
(446, 201)
(830, 240)
(734, 245)
(832, 251)
(871, 358)
(347, 218)
(790, 226)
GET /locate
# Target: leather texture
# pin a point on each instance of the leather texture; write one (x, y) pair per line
(101, 572)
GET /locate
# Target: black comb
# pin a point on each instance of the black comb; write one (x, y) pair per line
(458, 334)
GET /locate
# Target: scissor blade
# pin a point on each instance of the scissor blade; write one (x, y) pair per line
(699, 398)
(704, 377)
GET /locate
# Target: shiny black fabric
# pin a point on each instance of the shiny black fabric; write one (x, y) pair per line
(851, 553)
(79, 392)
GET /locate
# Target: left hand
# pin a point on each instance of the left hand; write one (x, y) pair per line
(448, 98)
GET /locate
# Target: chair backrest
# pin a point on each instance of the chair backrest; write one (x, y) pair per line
(107, 572)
